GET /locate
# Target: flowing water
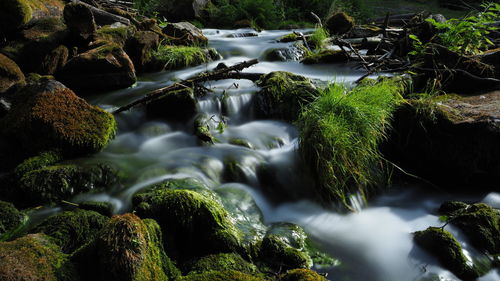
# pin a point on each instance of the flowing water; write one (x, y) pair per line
(374, 243)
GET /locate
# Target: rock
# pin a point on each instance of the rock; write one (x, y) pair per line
(221, 262)
(176, 57)
(186, 33)
(105, 67)
(34, 257)
(221, 276)
(276, 254)
(46, 8)
(176, 106)
(202, 128)
(10, 219)
(54, 61)
(242, 34)
(363, 31)
(292, 53)
(339, 23)
(4, 107)
(51, 114)
(13, 14)
(72, 229)
(480, 222)
(194, 225)
(116, 33)
(326, 56)
(10, 74)
(283, 95)
(302, 274)
(103, 208)
(243, 24)
(80, 21)
(138, 48)
(289, 38)
(54, 183)
(447, 250)
(42, 160)
(179, 10)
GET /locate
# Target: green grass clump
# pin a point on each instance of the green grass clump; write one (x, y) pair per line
(317, 39)
(340, 133)
(175, 57)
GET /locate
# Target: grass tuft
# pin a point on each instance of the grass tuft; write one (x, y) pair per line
(175, 57)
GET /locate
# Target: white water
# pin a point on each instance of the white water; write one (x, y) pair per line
(372, 244)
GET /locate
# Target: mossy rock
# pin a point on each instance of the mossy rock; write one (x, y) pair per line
(42, 160)
(10, 74)
(224, 275)
(326, 56)
(34, 257)
(277, 254)
(192, 184)
(80, 21)
(301, 274)
(283, 95)
(292, 37)
(51, 114)
(138, 48)
(184, 33)
(14, 13)
(175, 106)
(118, 35)
(202, 128)
(72, 229)
(221, 262)
(103, 208)
(129, 248)
(447, 250)
(480, 222)
(339, 23)
(177, 57)
(54, 61)
(194, 225)
(54, 183)
(10, 219)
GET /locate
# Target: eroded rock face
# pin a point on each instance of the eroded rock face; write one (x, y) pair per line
(10, 74)
(106, 67)
(186, 34)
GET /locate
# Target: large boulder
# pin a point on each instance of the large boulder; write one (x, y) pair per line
(339, 23)
(106, 67)
(177, 106)
(326, 56)
(34, 257)
(80, 21)
(138, 48)
(10, 74)
(185, 33)
(45, 115)
(13, 14)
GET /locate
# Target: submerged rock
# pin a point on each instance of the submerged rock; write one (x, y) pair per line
(106, 67)
(185, 33)
(339, 23)
(447, 250)
(10, 74)
(283, 94)
(46, 115)
(34, 257)
(10, 218)
(292, 53)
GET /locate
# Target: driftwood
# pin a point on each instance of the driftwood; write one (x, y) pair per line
(104, 18)
(219, 73)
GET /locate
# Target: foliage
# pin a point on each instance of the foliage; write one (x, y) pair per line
(317, 39)
(175, 57)
(340, 134)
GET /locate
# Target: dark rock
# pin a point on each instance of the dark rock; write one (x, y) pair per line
(326, 56)
(339, 23)
(362, 31)
(10, 74)
(293, 53)
(138, 48)
(242, 34)
(221, 262)
(185, 34)
(54, 61)
(13, 14)
(116, 33)
(179, 10)
(105, 67)
(4, 107)
(302, 274)
(80, 21)
(10, 218)
(177, 106)
(103, 208)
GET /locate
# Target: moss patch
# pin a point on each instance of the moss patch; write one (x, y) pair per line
(221, 262)
(221, 276)
(277, 254)
(118, 35)
(301, 274)
(175, 57)
(10, 218)
(42, 160)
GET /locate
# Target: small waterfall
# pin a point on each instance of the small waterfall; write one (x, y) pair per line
(239, 107)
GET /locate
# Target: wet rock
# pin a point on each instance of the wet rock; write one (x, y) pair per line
(13, 14)
(10, 74)
(447, 250)
(54, 61)
(41, 160)
(34, 257)
(51, 114)
(185, 34)
(480, 222)
(80, 21)
(72, 229)
(103, 208)
(326, 56)
(138, 48)
(289, 38)
(283, 95)
(202, 128)
(194, 225)
(242, 34)
(10, 219)
(106, 67)
(177, 106)
(292, 53)
(301, 274)
(222, 275)
(54, 183)
(179, 10)
(221, 262)
(339, 23)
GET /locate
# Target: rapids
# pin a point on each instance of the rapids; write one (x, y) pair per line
(372, 244)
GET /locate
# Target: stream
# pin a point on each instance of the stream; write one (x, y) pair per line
(374, 243)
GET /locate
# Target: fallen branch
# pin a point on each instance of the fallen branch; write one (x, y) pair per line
(219, 73)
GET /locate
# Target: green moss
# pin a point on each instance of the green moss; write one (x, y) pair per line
(241, 142)
(14, 13)
(192, 184)
(194, 225)
(289, 38)
(275, 253)
(103, 208)
(118, 35)
(40, 161)
(447, 250)
(72, 229)
(221, 262)
(326, 56)
(175, 57)
(318, 38)
(301, 274)
(34, 257)
(10, 219)
(283, 95)
(221, 276)
(340, 134)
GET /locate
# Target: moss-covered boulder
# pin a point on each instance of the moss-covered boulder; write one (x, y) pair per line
(339, 23)
(326, 56)
(80, 21)
(72, 229)
(185, 33)
(194, 225)
(47, 115)
(480, 222)
(41, 160)
(221, 262)
(10, 74)
(447, 250)
(138, 48)
(118, 34)
(34, 257)
(54, 61)
(301, 274)
(223, 275)
(14, 13)
(175, 106)
(103, 208)
(106, 67)
(283, 94)
(10, 219)
(176, 57)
